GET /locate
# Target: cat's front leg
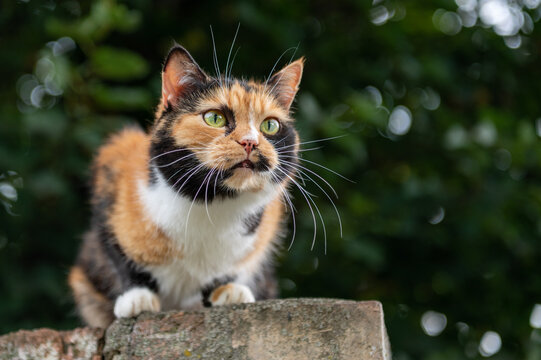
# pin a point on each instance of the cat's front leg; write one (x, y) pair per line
(231, 293)
(136, 300)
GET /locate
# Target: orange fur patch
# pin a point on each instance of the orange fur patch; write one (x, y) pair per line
(218, 291)
(126, 159)
(93, 306)
(266, 234)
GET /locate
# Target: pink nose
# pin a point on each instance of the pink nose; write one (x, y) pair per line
(248, 145)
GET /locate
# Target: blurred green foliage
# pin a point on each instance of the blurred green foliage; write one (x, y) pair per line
(439, 105)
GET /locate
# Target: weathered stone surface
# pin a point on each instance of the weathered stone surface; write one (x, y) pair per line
(276, 329)
(46, 344)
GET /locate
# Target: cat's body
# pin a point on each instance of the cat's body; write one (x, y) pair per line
(189, 214)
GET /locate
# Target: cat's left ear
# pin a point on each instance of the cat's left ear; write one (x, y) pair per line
(180, 74)
(285, 83)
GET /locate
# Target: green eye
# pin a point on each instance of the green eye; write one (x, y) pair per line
(270, 126)
(214, 118)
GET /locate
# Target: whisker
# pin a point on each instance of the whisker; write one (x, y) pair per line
(181, 169)
(191, 205)
(298, 167)
(299, 150)
(291, 206)
(205, 151)
(191, 171)
(233, 61)
(216, 180)
(307, 201)
(327, 195)
(173, 151)
(175, 161)
(321, 166)
(217, 172)
(299, 175)
(314, 141)
(281, 75)
(215, 58)
(206, 193)
(288, 199)
(281, 140)
(196, 169)
(276, 63)
(230, 50)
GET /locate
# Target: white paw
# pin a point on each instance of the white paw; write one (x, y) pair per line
(231, 294)
(135, 301)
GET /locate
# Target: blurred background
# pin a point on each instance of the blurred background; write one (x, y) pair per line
(439, 102)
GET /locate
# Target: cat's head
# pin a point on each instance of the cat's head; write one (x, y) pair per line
(222, 135)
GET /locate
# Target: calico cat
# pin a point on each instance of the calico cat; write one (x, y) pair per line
(189, 215)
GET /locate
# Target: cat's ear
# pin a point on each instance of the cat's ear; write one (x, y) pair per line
(180, 74)
(285, 83)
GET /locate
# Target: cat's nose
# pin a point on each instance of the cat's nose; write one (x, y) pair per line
(248, 145)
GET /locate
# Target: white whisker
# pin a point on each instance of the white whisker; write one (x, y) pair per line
(313, 141)
(215, 58)
(230, 50)
(206, 195)
(288, 199)
(299, 150)
(192, 172)
(291, 206)
(299, 167)
(220, 171)
(321, 166)
(306, 196)
(281, 75)
(175, 161)
(233, 61)
(326, 194)
(173, 151)
(276, 63)
(193, 202)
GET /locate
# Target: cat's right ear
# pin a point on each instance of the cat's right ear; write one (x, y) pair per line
(180, 74)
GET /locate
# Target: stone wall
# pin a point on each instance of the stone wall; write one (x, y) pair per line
(276, 329)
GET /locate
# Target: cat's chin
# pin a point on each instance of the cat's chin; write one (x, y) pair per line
(245, 179)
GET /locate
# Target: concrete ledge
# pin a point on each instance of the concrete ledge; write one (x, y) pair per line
(275, 329)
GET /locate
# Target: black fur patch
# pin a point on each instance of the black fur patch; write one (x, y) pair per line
(129, 272)
(252, 222)
(283, 142)
(247, 87)
(231, 121)
(178, 167)
(264, 283)
(103, 261)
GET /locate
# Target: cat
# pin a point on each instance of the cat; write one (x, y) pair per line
(189, 214)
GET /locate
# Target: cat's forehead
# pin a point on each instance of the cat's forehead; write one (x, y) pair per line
(246, 98)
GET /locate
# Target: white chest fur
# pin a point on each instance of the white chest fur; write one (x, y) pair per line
(212, 238)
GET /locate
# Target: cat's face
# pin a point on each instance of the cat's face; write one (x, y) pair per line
(223, 136)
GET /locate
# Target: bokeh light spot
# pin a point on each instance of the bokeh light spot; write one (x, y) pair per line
(490, 344)
(433, 323)
(8, 191)
(447, 22)
(400, 120)
(379, 15)
(438, 216)
(535, 317)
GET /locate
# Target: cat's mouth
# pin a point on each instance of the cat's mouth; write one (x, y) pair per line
(246, 164)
